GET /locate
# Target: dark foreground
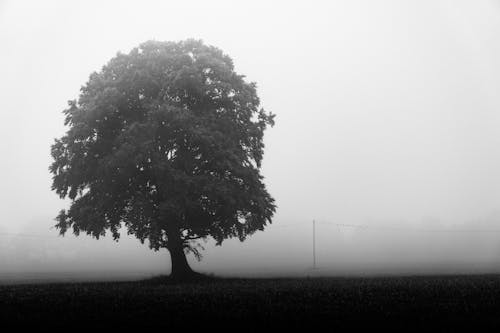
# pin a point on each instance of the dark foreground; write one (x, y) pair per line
(402, 302)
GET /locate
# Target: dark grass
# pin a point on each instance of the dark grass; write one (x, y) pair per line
(427, 302)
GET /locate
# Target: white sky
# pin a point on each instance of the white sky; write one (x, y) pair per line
(387, 111)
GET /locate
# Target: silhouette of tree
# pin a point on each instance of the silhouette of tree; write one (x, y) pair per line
(167, 141)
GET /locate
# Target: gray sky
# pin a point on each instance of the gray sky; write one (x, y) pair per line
(387, 114)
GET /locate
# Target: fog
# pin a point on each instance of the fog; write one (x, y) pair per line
(387, 117)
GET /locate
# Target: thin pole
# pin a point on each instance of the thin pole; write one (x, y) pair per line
(314, 244)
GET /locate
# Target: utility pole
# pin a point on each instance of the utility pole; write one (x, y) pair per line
(314, 244)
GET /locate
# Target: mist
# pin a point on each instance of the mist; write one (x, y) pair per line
(386, 134)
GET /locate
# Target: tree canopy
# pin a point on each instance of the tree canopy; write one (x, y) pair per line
(167, 141)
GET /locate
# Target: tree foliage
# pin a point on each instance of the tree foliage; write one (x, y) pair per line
(168, 141)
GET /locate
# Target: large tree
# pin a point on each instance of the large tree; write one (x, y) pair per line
(167, 141)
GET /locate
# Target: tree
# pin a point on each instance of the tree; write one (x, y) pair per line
(167, 141)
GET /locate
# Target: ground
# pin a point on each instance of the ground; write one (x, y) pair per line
(402, 302)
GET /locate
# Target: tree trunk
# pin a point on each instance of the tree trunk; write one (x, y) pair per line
(180, 267)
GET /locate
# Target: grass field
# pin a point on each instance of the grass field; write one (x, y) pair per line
(405, 302)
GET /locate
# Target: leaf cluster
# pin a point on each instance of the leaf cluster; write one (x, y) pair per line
(166, 140)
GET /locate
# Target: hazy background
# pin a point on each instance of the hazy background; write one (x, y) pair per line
(387, 117)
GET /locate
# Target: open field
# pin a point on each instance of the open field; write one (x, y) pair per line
(407, 302)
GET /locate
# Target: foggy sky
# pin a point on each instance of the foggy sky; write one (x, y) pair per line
(387, 115)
